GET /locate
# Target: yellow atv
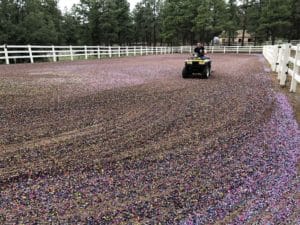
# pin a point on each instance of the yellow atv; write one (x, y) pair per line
(197, 65)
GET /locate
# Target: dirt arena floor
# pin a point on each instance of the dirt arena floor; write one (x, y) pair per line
(128, 141)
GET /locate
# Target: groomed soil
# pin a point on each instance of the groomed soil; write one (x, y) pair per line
(128, 141)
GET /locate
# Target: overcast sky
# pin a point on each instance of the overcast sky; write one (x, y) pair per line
(69, 3)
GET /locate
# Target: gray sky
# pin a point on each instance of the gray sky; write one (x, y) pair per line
(68, 3)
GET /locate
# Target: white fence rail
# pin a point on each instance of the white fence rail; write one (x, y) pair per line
(11, 53)
(285, 61)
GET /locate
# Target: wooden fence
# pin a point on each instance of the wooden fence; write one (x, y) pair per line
(285, 61)
(33, 53)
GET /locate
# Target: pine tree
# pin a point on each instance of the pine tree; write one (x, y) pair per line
(210, 20)
(275, 19)
(295, 19)
(231, 21)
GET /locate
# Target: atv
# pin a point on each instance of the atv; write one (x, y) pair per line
(197, 65)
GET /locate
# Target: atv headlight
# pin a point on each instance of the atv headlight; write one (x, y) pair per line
(201, 62)
(189, 62)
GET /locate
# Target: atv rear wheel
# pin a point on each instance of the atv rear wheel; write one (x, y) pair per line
(185, 73)
(206, 72)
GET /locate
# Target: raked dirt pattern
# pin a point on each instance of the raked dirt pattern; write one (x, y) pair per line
(128, 141)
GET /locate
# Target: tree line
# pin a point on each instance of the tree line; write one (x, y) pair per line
(152, 22)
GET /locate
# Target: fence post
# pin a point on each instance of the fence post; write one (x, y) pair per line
(54, 54)
(119, 51)
(280, 53)
(141, 50)
(224, 49)
(146, 50)
(6, 54)
(250, 50)
(134, 50)
(181, 49)
(71, 53)
(274, 64)
(30, 54)
(109, 51)
(172, 50)
(85, 52)
(237, 49)
(295, 70)
(212, 49)
(98, 52)
(283, 63)
(127, 51)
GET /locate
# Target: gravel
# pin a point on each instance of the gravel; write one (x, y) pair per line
(129, 141)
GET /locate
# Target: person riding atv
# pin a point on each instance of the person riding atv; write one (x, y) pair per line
(200, 51)
(198, 64)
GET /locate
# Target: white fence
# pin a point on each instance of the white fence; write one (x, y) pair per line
(285, 61)
(11, 53)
